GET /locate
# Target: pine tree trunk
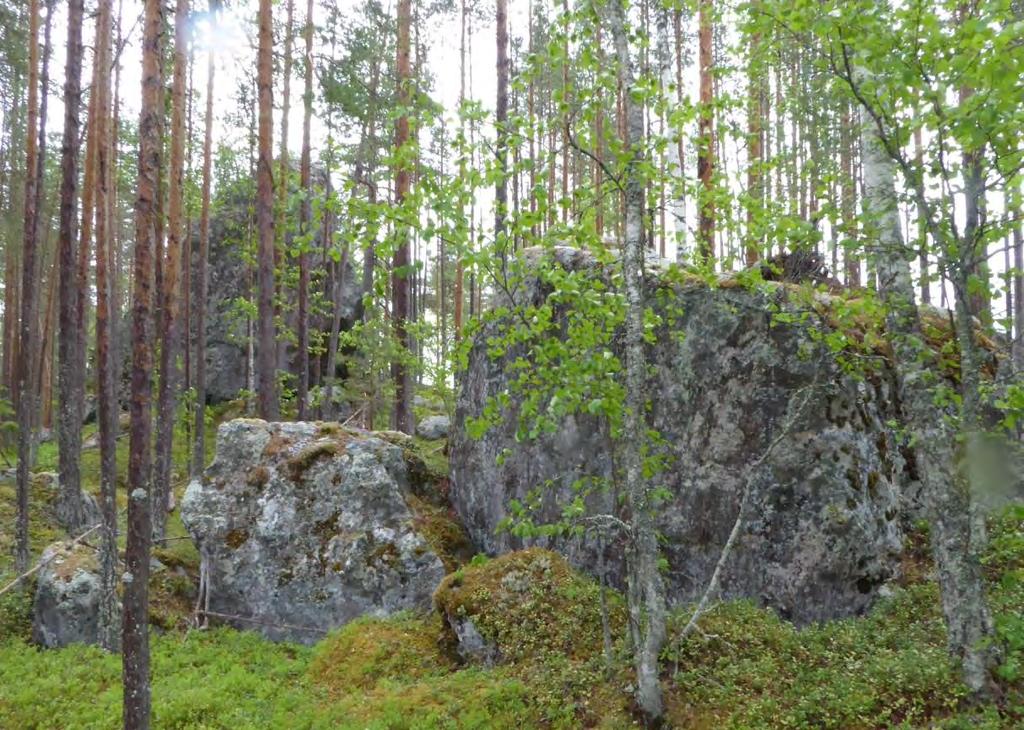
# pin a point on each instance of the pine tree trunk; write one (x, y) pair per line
(305, 220)
(171, 294)
(135, 629)
(266, 352)
(71, 507)
(403, 417)
(281, 254)
(106, 397)
(202, 277)
(24, 366)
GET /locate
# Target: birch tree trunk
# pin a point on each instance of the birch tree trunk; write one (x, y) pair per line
(673, 149)
(957, 528)
(646, 592)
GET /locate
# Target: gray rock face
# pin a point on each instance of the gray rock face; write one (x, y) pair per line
(230, 279)
(822, 528)
(303, 527)
(66, 609)
(433, 427)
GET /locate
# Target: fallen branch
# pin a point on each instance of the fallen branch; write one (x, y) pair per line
(270, 624)
(43, 561)
(716, 576)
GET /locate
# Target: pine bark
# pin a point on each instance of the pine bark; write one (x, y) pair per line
(71, 507)
(400, 281)
(268, 405)
(170, 341)
(305, 219)
(202, 277)
(106, 397)
(24, 394)
(135, 628)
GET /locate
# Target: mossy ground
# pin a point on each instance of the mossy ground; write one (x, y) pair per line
(745, 668)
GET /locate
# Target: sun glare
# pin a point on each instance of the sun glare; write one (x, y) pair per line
(220, 32)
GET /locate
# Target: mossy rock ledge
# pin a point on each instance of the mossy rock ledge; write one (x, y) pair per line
(829, 504)
(304, 527)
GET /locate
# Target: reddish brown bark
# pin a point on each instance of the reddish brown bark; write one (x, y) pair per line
(266, 350)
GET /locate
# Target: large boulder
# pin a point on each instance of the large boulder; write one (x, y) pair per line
(66, 607)
(303, 527)
(822, 529)
(230, 283)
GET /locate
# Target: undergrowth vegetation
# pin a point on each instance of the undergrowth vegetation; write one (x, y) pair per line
(544, 660)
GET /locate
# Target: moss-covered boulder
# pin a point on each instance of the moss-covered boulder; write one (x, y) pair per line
(522, 606)
(66, 606)
(303, 527)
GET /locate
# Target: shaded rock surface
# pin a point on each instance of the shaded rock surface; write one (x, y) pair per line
(230, 280)
(66, 607)
(304, 527)
(823, 526)
(433, 427)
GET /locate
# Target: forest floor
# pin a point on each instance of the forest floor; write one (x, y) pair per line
(745, 668)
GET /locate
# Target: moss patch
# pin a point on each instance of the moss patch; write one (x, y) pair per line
(370, 650)
(530, 604)
(442, 531)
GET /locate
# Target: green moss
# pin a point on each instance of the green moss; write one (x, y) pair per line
(531, 604)
(442, 531)
(370, 650)
(299, 464)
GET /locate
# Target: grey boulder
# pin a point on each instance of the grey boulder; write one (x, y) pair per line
(303, 527)
(66, 608)
(433, 427)
(823, 527)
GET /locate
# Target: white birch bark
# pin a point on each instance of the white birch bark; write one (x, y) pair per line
(645, 589)
(957, 525)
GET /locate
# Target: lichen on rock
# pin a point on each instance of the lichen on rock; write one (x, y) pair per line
(304, 527)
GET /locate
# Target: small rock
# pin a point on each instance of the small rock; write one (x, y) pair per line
(67, 600)
(434, 427)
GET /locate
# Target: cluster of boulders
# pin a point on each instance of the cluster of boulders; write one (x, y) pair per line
(303, 527)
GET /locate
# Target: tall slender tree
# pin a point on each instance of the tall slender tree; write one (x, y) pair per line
(202, 277)
(24, 394)
(501, 118)
(268, 405)
(135, 628)
(706, 143)
(170, 296)
(106, 396)
(400, 280)
(645, 592)
(305, 217)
